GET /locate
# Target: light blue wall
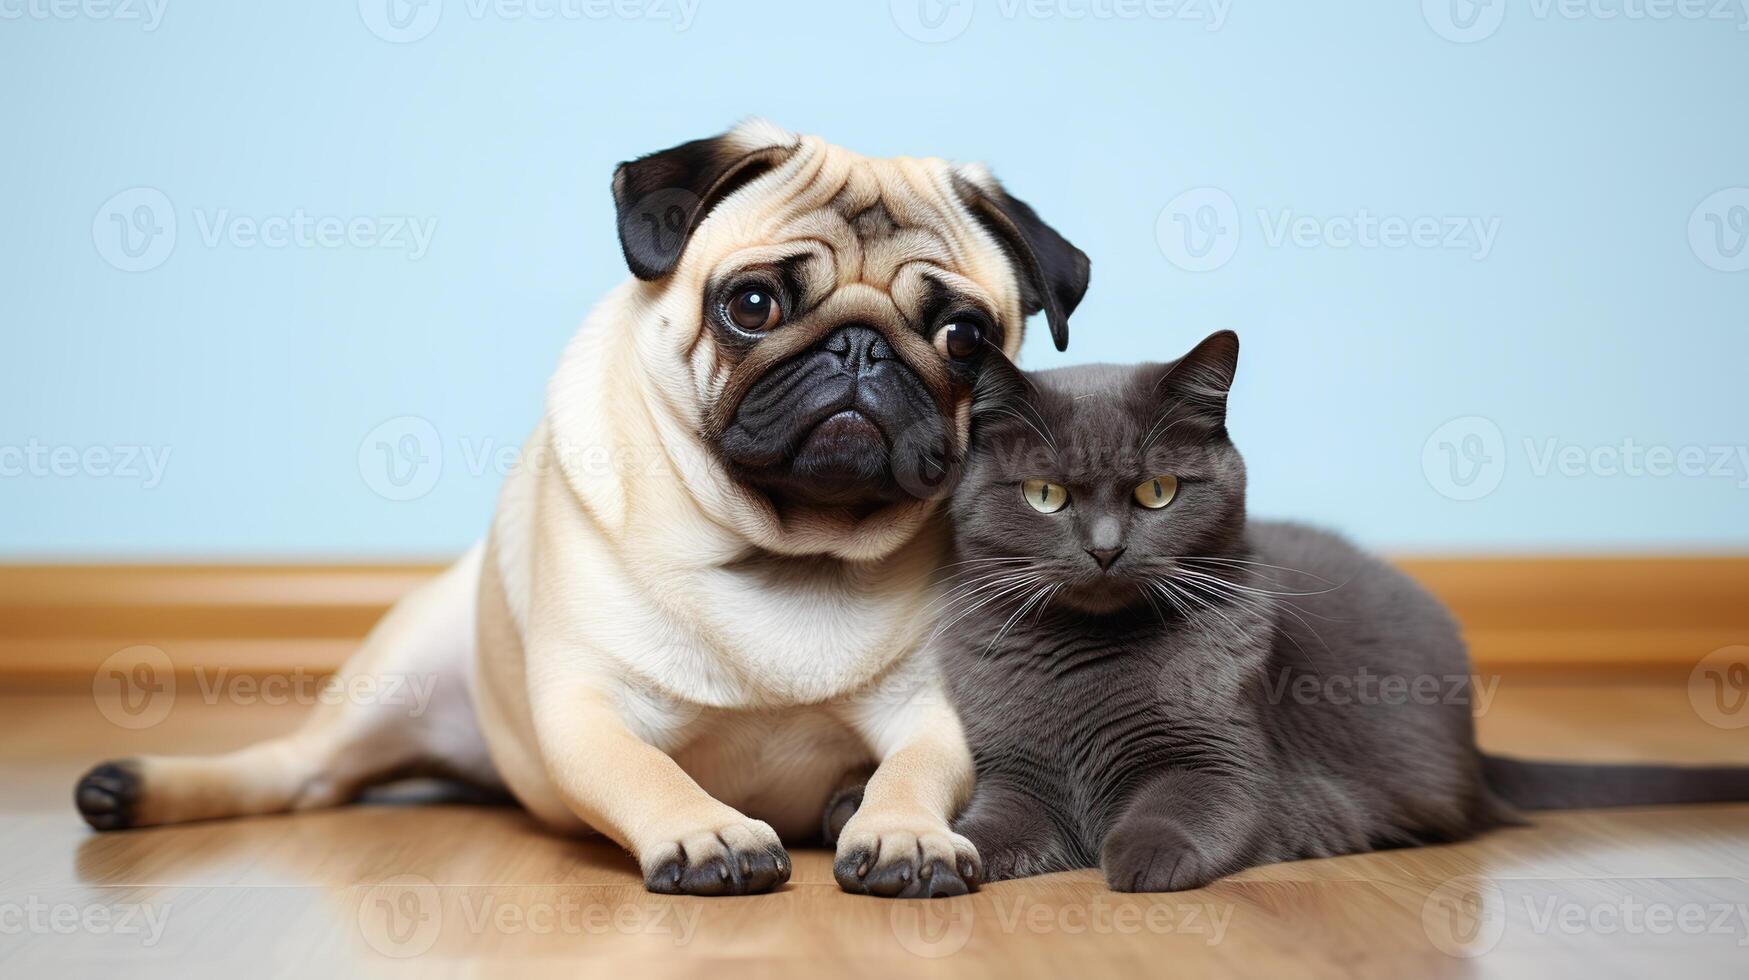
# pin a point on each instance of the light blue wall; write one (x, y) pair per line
(1594, 319)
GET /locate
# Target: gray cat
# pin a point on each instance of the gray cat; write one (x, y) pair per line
(1156, 686)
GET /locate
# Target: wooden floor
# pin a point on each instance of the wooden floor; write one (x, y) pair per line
(460, 889)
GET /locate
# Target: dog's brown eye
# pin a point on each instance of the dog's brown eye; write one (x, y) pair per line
(961, 339)
(755, 309)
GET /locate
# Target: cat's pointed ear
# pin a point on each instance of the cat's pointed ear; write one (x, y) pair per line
(1201, 379)
(999, 388)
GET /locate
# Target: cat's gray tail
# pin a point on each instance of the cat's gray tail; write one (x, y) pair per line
(1531, 785)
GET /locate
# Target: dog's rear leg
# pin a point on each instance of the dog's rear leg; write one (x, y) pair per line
(401, 701)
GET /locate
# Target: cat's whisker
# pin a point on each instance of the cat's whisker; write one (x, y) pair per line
(1256, 564)
(955, 596)
(1257, 603)
(1253, 589)
(1282, 600)
(977, 561)
(1039, 618)
(1004, 410)
(1149, 439)
(1256, 606)
(1213, 608)
(1148, 593)
(946, 625)
(1043, 591)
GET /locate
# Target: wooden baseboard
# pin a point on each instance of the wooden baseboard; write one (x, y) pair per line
(58, 623)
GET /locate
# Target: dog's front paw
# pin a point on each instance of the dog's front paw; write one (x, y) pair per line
(1155, 856)
(905, 860)
(108, 796)
(743, 857)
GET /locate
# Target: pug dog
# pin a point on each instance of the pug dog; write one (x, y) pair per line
(704, 596)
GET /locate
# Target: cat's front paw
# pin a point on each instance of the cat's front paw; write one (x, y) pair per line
(1006, 863)
(1155, 856)
(904, 859)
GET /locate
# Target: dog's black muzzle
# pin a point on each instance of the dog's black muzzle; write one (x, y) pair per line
(845, 422)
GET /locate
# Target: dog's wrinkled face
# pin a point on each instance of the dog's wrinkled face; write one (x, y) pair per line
(833, 310)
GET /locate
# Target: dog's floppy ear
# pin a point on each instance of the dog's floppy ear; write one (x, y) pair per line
(661, 198)
(1053, 273)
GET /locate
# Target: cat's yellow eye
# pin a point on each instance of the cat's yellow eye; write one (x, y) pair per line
(1158, 492)
(1046, 498)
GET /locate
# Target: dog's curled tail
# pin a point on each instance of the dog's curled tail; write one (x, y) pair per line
(1533, 785)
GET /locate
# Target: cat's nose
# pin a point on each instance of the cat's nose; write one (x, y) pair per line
(1105, 556)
